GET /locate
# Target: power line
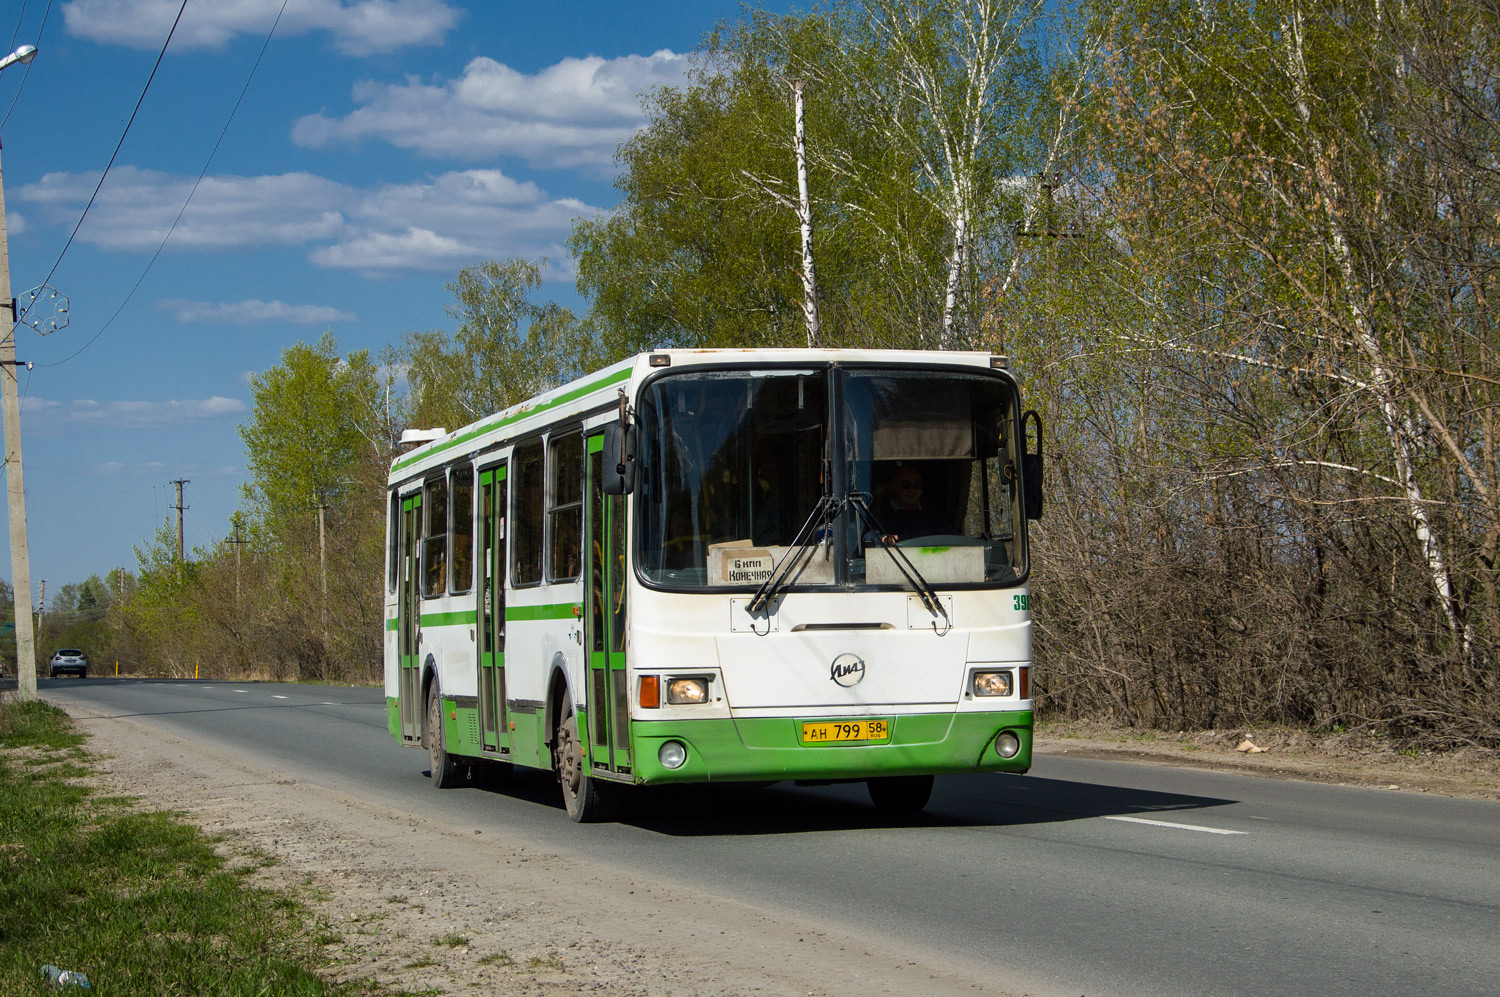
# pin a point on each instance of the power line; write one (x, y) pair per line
(20, 19)
(201, 174)
(139, 101)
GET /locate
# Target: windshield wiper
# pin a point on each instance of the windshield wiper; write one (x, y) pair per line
(861, 503)
(824, 511)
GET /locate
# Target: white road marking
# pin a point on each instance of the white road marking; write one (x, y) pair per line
(275, 696)
(1167, 823)
(242, 690)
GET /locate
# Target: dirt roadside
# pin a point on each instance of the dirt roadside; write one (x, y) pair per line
(1348, 759)
(422, 906)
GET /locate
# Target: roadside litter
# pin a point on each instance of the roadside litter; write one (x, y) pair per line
(65, 977)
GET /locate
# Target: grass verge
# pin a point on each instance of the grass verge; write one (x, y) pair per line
(138, 901)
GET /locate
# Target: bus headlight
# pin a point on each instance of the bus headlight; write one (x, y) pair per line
(1007, 744)
(993, 683)
(687, 691)
(672, 754)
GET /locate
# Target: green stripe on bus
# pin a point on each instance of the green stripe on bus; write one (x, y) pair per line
(393, 624)
(562, 399)
(753, 748)
(449, 619)
(559, 611)
(596, 444)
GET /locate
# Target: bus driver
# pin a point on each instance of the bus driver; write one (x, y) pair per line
(902, 515)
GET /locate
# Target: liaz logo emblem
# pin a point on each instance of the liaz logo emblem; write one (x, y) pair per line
(848, 670)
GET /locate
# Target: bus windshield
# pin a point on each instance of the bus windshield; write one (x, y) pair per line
(734, 463)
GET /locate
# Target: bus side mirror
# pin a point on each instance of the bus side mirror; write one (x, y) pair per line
(618, 476)
(1031, 467)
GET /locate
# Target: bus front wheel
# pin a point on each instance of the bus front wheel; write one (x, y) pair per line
(900, 794)
(587, 800)
(447, 771)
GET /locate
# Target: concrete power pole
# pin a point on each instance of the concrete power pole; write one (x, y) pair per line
(179, 482)
(20, 552)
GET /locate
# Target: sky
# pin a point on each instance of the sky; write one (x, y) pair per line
(381, 146)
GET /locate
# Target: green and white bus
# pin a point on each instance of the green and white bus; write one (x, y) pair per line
(721, 566)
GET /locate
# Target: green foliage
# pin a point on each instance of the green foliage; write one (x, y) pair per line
(316, 418)
(506, 347)
(163, 611)
(704, 249)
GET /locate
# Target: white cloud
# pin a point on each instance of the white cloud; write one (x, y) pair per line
(44, 412)
(450, 220)
(15, 223)
(254, 312)
(573, 114)
(136, 208)
(359, 27)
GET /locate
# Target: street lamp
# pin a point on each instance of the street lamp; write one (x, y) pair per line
(20, 557)
(23, 55)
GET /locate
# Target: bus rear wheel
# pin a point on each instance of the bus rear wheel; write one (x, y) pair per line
(447, 771)
(588, 801)
(900, 794)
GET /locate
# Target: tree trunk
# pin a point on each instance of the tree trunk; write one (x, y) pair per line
(804, 216)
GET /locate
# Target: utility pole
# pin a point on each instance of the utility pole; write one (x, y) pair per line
(322, 506)
(20, 552)
(237, 540)
(179, 482)
(1048, 230)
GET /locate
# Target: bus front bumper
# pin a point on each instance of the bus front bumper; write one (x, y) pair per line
(772, 749)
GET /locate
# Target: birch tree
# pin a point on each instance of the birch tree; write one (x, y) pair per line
(712, 243)
(1281, 359)
(961, 91)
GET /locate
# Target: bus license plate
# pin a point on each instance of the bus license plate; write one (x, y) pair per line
(828, 731)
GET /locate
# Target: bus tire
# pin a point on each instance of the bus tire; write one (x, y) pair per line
(588, 800)
(447, 771)
(900, 794)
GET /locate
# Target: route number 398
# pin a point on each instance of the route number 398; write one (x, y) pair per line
(1023, 602)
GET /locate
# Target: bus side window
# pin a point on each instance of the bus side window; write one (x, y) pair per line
(565, 508)
(393, 543)
(462, 530)
(526, 523)
(435, 544)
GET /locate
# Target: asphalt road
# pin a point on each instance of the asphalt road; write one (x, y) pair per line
(1086, 877)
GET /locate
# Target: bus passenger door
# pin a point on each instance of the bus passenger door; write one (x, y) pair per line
(609, 708)
(409, 623)
(493, 722)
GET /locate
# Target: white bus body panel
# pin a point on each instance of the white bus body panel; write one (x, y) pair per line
(909, 664)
